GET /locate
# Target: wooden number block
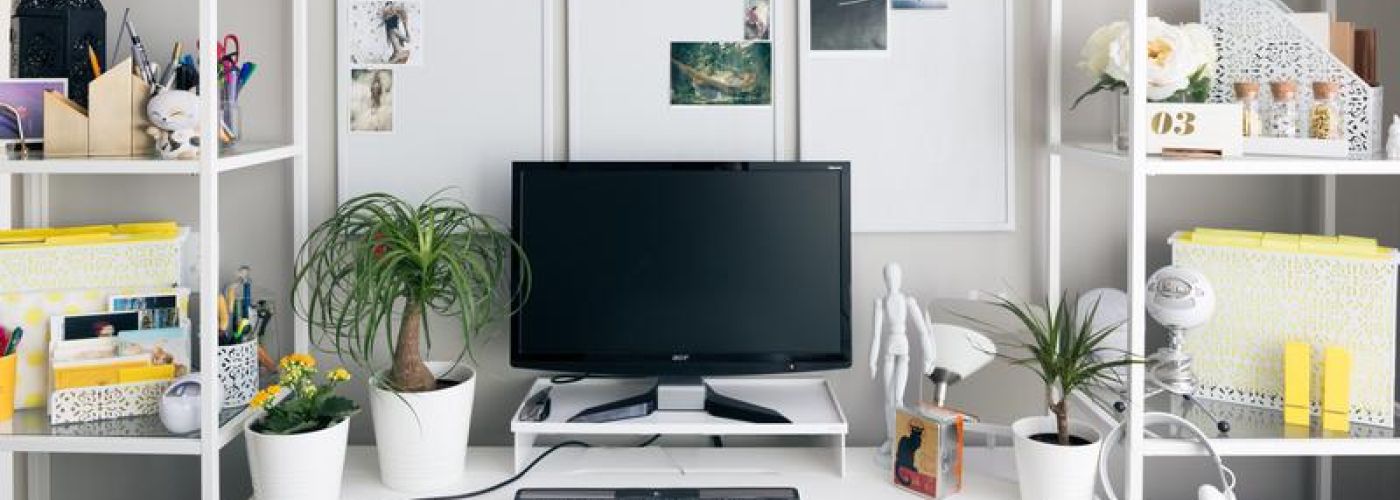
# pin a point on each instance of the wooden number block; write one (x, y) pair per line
(1336, 389)
(1195, 128)
(1297, 373)
(65, 127)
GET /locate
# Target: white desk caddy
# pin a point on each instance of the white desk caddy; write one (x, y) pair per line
(808, 402)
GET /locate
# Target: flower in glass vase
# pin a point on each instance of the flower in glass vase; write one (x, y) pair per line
(1181, 60)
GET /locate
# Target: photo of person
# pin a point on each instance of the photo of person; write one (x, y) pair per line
(757, 20)
(93, 326)
(386, 32)
(850, 24)
(721, 73)
(371, 100)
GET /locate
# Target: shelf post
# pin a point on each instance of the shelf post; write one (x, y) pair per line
(209, 406)
(1053, 138)
(301, 181)
(1137, 260)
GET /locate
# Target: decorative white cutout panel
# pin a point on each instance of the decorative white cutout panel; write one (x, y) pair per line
(1258, 42)
(238, 373)
(1267, 298)
(107, 402)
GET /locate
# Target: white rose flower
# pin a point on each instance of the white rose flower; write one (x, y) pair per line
(1094, 57)
(1204, 44)
(1172, 57)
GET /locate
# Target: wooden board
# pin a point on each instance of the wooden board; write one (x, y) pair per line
(65, 126)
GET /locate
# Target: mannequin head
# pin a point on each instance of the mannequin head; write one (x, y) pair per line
(894, 277)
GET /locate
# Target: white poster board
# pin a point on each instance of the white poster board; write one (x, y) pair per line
(620, 81)
(927, 124)
(469, 102)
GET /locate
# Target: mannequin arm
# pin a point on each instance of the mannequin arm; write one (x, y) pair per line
(923, 323)
(875, 337)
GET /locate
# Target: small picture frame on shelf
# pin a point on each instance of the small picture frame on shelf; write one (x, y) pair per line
(22, 110)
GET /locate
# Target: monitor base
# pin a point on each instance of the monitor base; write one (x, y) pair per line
(682, 394)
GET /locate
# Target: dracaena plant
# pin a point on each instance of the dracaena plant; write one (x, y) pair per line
(1063, 349)
(379, 259)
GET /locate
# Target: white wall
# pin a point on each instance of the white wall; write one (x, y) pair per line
(936, 264)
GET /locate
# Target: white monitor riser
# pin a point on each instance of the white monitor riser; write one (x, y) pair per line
(808, 402)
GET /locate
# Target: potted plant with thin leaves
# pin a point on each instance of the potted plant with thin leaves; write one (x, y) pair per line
(1056, 456)
(296, 448)
(378, 261)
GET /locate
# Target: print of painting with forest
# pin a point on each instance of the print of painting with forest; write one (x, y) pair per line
(721, 73)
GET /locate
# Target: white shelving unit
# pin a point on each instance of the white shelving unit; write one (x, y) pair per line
(1138, 168)
(29, 432)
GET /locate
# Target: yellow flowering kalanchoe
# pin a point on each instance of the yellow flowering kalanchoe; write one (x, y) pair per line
(306, 406)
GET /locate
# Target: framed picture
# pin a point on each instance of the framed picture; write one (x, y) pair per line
(371, 100)
(94, 325)
(26, 97)
(850, 25)
(386, 32)
(721, 73)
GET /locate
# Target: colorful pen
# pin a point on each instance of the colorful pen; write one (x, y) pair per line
(14, 340)
(92, 59)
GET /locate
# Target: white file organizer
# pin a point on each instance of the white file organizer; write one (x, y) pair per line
(50, 272)
(1341, 295)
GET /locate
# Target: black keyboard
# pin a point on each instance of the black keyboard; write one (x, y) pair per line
(659, 494)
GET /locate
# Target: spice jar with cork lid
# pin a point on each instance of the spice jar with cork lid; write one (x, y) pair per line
(1283, 112)
(1325, 114)
(1247, 94)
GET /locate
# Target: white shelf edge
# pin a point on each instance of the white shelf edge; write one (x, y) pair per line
(260, 156)
(123, 445)
(1276, 447)
(1271, 166)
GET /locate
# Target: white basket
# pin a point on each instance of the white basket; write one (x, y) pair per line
(1266, 298)
(87, 404)
(238, 373)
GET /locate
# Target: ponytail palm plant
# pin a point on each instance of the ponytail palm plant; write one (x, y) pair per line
(378, 259)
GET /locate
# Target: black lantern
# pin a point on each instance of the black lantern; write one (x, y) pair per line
(50, 39)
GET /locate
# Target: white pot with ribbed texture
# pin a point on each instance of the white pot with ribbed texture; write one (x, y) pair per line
(422, 436)
(298, 466)
(1053, 472)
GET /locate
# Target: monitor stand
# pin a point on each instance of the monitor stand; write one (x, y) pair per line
(680, 394)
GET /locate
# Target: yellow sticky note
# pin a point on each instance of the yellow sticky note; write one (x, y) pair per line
(1336, 389)
(146, 373)
(1297, 373)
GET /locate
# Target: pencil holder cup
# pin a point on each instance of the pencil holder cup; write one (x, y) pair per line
(231, 120)
(7, 387)
(238, 373)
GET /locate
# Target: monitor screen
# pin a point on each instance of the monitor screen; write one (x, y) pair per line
(683, 268)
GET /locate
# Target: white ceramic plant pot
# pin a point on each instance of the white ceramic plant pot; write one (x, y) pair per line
(299, 466)
(1052, 472)
(422, 436)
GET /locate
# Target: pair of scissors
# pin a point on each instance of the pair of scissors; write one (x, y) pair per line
(229, 48)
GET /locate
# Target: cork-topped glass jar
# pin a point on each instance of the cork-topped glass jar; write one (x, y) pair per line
(1283, 112)
(1325, 114)
(1247, 94)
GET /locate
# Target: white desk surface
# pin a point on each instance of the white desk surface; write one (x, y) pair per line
(809, 470)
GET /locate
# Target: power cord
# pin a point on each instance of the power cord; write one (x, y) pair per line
(532, 465)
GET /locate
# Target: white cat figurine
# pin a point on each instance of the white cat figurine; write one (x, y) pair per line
(1392, 143)
(174, 117)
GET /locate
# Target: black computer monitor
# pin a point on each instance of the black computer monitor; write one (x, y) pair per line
(685, 268)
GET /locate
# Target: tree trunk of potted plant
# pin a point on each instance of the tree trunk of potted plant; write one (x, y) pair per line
(409, 373)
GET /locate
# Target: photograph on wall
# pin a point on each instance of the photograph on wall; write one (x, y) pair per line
(26, 96)
(721, 73)
(386, 32)
(371, 100)
(758, 19)
(920, 4)
(850, 24)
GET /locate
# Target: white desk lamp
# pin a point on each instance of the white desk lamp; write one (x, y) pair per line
(961, 352)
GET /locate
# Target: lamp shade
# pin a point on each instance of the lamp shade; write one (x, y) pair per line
(961, 351)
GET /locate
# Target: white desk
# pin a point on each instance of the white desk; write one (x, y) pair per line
(808, 470)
